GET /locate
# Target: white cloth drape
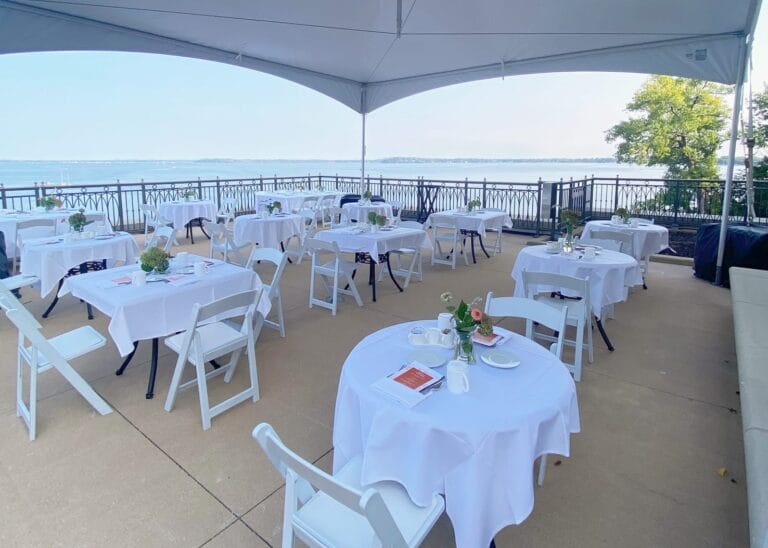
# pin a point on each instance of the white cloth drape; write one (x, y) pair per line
(180, 213)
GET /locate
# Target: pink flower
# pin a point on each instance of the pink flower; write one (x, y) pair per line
(477, 314)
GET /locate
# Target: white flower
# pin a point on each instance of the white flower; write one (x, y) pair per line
(446, 297)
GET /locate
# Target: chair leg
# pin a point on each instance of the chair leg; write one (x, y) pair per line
(312, 285)
(353, 289)
(173, 390)
(32, 402)
(579, 350)
(335, 295)
(252, 369)
(542, 469)
(202, 390)
(19, 384)
(280, 320)
(232, 365)
(591, 348)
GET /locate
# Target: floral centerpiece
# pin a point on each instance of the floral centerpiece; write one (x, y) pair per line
(466, 319)
(274, 206)
(569, 219)
(624, 214)
(473, 204)
(367, 196)
(154, 259)
(372, 218)
(188, 194)
(381, 220)
(77, 221)
(49, 202)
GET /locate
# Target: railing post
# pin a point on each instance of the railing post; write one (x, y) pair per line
(2, 196)
(466, 190)
(120, 216)
(143, 192)
(261, 182)
(484, 188)
(218, 193)
(37, 193)
(381, 186)
(676, 203)
(200, 187)
(538, 207)
(337, 181)
(554, 206)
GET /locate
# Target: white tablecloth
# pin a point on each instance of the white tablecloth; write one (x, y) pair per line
(51, 258)
(157, 309)
(292, 201)
(267, 231)
(181, 212)
(611, 273)
(9, 220)
(355, 240)
(475, 221)
(478, 448)
(358, 212)
(648, 238)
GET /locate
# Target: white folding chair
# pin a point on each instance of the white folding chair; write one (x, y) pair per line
(621, 241)
(412, 255)
(339, 217)
(226, 214)
(336, 269)
(533, 312)
(324, 207)
(42, 354)
(540, 285)
(223, 243)
(309, 202)
(163, 237)
(204, 341)
(152, 219)
(495, 246)
(445, 230)
(280, 260)
(19, 281)
(309, 230)
(325, 511)
(25, 230)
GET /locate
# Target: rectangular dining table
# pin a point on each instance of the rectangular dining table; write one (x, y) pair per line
(163, 306)
(372, 246)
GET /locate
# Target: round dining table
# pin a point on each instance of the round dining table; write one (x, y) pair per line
(476, 448)
(359, 212)
(267, 230)
(647, 238)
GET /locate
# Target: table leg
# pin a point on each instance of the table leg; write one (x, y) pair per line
(127, 359)
(482, 246)
(55, 300)
(389, 267)
(190, 236)
(202, 228)
(472, 244)
(372, 278)
(604, 334)
(152, 371)
(282, 248)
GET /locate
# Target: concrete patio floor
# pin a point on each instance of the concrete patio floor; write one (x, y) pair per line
(659, 418)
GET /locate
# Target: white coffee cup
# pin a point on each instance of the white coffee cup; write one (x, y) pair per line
(444, 321)
(199, 268)
(553, 246)
(457, 376)
(182, 258)
(560, 242)
(615, 219)
(634, 223)
(138, 278)
(590, 253)
(432, 336)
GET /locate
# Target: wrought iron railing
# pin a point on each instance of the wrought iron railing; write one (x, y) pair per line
(532, 206)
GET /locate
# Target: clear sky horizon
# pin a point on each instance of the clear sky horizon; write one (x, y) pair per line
(119, 106)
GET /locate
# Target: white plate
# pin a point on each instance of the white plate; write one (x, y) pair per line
(427, 358)
(552, 251)
(500, 358)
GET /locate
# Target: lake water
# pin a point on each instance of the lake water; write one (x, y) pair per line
(24, 173)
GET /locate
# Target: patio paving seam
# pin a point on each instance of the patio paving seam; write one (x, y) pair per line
(667, 392)
(230, 525)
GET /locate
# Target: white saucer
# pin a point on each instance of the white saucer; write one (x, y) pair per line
(500, 359)
(426, 357)
(552, 251)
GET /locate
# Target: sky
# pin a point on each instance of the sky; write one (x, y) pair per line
(117, 106)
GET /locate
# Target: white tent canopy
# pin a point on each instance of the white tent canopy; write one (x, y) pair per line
(368, 53)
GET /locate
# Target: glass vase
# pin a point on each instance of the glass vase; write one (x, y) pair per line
(465, 350)
(568, 243)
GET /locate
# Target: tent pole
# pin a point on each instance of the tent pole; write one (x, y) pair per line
(726, 209)
(362, 161)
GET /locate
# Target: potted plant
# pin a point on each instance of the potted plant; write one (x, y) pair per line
(569, 220)
(367, 196)
(624, 214)
(49, 202)
(473, 204)
(274, 207)
(466, 318)
(154, 259)
(77, 221)
(381, 220)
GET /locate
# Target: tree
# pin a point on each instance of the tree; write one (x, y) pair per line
(675, 122)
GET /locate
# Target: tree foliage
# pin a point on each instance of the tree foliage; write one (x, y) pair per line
(675, 122)
(760, 131)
